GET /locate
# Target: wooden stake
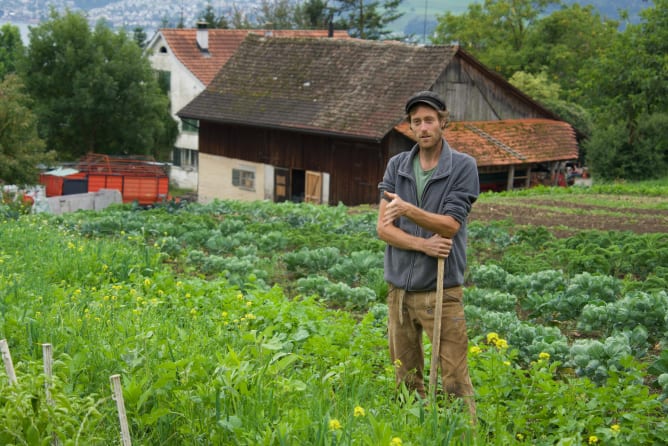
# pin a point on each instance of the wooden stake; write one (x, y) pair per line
(7, 359)
(47, 356)
(120, 406)
(436, 338)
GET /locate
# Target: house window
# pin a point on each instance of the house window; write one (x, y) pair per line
(189, 125)
(185, 157)
(244, 178)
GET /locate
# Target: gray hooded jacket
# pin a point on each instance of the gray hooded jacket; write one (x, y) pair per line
(452, 190)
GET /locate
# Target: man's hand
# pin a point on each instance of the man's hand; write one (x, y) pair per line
(437, 246)
(395, 208)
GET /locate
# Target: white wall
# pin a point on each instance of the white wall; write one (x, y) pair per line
(215, 179)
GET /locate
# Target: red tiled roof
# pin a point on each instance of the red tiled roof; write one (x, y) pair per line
(506, 142)
(222, 45)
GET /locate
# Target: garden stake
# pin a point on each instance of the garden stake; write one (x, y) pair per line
(120, 405)
(7, 359)
(436, 338)
(47, 354)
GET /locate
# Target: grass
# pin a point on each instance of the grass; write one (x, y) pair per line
(228, 356)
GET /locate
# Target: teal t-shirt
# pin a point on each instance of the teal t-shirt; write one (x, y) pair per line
(421, 177)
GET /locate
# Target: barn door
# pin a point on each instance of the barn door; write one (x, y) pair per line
(281, 184)
(313, 193)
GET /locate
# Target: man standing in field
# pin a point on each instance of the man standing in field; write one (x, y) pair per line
(426, 196)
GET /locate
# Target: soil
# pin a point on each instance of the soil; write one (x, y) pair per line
(564, 218)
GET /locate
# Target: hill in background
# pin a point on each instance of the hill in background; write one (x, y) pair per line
(420, 16)
(419, 19)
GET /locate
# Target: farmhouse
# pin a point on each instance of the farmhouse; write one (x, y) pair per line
(317, 119)
(185, 61)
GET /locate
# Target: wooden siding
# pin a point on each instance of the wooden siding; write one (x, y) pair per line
(472, 95)
(355, 167)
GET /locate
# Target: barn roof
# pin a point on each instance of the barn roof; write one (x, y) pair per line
(513, 141)
(222, 45)
(344, 87)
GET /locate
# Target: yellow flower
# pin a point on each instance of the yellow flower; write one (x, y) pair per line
(334, 424)
(397, 363)
(593, 439)
(501, 343)
(506, 363)
(519, 436)
(147, 281)
(544, 356)
(250, 316)
(396, 441)
(249, 303)
(492, 338)
(359, 411)
(615, 427)
(224, 314)
(475, 350)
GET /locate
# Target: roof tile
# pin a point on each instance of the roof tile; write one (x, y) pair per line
(222, 45)
(513, 141)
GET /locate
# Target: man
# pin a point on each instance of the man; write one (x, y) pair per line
(426, 196)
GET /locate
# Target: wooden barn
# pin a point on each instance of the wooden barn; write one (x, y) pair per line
(317, 119)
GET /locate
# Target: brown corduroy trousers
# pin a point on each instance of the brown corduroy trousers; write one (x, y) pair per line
(411, 313)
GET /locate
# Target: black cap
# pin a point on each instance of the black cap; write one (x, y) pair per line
(426, 97)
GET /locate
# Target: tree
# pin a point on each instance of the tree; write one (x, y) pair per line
(495, 32)
(312, 14)
(239, 18)
(548, 93)
(139, 36)
(367, 20)
(276, 14)
(213, 22)
(627, 89)
(11, 49)
(21, 149)
(95, 91)
(564, 42)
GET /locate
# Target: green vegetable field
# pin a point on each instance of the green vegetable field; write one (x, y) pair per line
(258, 323)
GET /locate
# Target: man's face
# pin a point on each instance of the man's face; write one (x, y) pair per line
(426, 126)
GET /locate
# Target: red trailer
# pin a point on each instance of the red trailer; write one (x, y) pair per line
(142, 180)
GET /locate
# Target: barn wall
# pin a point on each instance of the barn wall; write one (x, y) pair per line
(471, 95)
(354, 167)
